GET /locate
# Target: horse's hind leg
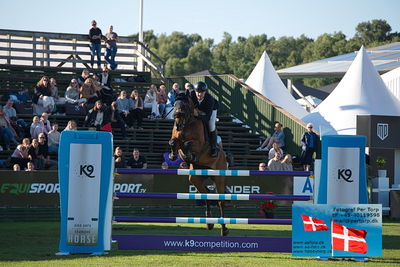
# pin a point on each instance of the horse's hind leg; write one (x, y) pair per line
(198, 182)
(220, 186)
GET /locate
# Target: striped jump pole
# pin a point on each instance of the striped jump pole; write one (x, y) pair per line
(206, 172)
(201, 220)
(195, 196)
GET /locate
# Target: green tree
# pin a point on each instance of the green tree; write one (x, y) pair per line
(377, 30)
(199, 57)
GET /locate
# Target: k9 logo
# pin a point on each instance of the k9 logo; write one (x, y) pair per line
(86, 170)
(345, 174)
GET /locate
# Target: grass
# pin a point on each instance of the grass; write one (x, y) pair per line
(35, 243)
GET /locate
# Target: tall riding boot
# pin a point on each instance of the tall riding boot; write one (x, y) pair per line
(213, 143)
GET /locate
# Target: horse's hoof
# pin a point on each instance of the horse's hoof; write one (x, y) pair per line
(210, 226)
(224, 231)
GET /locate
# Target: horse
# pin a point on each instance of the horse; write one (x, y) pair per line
(189, 140)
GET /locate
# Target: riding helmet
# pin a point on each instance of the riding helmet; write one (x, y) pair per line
(200, 87)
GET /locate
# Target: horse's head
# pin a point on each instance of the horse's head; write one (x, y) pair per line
(183, 107)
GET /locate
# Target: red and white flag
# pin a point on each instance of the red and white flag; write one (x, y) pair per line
(312, 224)
(348, 239)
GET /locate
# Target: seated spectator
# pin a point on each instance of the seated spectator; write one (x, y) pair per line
(7, 132)
(278, 136)
(136, 161)
(71, 126)
(172, 95)
(119, 159)
(275, 148)
(274, 164)
(116, 120)
(54, 92)
(72, 93)
(287, 163)
(150, 101)
(183, 165)
(188, 88)
(164, 166)
(16, 167)
(170, 162)
(33, 154)
(262, 166)
(44, 119)
(106, 92)
(9, 110)
(30, 167)
(19, 125)
(43, 153)
(124, 107)
(53, 138)
(162, 100)
(22, 96)
(20, 155)
(137, 108)
(42, 99)
(39, 126)
(88, 91)
(98, 117)
(85, 75)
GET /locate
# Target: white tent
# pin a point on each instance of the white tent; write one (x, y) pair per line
(266, 81)
(360, 92)
(392, 81)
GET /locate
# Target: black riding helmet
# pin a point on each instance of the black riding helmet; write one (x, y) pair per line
(200, 87)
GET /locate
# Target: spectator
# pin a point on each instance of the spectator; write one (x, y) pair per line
(7, 132)
(30, 167)
(20, 155)
(183, 165)
(71, 126)
(116, 120)
(8, 109)
(162, 100)
(274, 164)
(124, 106)
(172, 95)
(36, 124)
(95, 37)
(275, 148)
(44, 119)
(150, 101)
(43, 152)
(278, 136)
(287, 163)
(137, 108)
(42, 99)
(54, 138)
(19, 125)
(54, 92)
(309, 141)
(98, 117)
(85, 75)
(72, 93)
(164, 166)
(106, 92)
(88, 91)
(188, 88)
(33, 154)
(16, 167)
(119, 159)
(262, 166)
(111, 39)
(170, 162)
(137, 161)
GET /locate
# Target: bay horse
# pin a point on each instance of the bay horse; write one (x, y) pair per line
(189, 140)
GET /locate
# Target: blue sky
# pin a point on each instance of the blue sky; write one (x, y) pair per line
(209, 18)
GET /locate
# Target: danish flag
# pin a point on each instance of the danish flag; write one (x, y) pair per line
(348, 239)
(312, 224)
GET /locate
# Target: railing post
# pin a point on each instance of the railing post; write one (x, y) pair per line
(42, 47)
(8, 36)
(34, 51)
(47, 54)
(74, 53)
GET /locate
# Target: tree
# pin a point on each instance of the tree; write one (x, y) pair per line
(373, 31)
(199, 57)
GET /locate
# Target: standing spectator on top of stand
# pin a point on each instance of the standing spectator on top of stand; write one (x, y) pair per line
(95, 36)
(111, 47)
(309, 141)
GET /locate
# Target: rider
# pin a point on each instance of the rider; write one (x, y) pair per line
(206, 107)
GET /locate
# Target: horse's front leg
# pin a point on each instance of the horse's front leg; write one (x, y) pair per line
(220, 187)
(173, 143)
(198, 182)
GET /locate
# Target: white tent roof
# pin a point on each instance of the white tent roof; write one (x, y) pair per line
(392, 81)
(266, 81)
(360, 92)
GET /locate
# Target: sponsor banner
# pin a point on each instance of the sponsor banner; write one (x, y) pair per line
(41, 188)
(303, 186)
(203, 243)
(337, 230)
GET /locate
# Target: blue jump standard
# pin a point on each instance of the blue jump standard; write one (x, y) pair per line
(213, 172)
(213, 196)
(202, 220)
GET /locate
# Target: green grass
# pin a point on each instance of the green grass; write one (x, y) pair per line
(35, 243)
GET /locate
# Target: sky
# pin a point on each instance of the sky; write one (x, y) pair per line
(209, 18)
